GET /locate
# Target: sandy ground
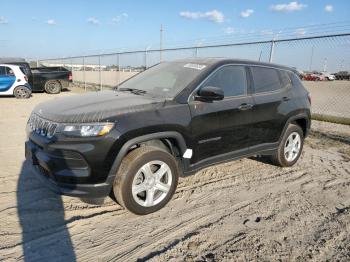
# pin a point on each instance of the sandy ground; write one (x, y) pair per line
(242, 210)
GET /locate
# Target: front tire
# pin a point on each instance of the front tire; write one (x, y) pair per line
(22, 92)
(146, 180)
(53, 87)
(290, 147)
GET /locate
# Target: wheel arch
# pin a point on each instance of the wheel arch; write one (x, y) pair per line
(169, 138)
(303, 120)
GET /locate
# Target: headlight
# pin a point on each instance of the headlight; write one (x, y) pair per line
(87, 130)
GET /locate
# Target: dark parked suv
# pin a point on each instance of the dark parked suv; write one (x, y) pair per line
(166, 122)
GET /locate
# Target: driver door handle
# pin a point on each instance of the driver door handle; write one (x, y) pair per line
(245, 106)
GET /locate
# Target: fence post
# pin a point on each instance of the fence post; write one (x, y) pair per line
(145, 58)
(84, 79)
(311, 57)
(99, 72)
(272, 50)
(196, 51)
(118, 75)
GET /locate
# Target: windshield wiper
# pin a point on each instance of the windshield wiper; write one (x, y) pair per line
(133, 90)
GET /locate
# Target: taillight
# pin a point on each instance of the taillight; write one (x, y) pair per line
(26, 78)
(70, 77)
(309, 97)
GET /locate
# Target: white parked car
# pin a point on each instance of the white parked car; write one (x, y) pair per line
(328, 76)
(13, 81)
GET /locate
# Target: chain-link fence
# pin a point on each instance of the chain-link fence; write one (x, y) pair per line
(320, 59)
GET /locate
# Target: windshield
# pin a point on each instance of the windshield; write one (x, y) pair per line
(164, 80)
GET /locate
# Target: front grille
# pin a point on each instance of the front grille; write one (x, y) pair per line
(42, 126)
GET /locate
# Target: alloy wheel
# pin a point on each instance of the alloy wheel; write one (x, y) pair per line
(151, 183)
(292, 147)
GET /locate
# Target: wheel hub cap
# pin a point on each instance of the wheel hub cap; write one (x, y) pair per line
(151, 183)
(292, 147)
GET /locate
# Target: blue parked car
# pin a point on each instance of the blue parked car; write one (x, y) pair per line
(13, 81)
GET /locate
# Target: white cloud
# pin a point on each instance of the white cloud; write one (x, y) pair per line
(300, 31)
(51, 22)
(328, 8)
(3, 20)
(247, 13)
(93, 21)
(213, 15)
(229, 30)
(117, 19)
(290, 7)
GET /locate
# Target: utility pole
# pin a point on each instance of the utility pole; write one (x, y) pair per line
(311, 57)
(161, 43)
(325, 65)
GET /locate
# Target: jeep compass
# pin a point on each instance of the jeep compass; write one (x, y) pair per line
(173, 119)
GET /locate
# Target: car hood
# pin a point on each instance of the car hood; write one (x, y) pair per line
(95, 107)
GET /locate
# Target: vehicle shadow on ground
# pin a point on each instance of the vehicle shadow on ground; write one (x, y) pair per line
(262, 159)
(45, 236)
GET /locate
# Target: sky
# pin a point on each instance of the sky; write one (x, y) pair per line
(47, 29)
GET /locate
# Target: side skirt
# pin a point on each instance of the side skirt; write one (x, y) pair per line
(265, 149)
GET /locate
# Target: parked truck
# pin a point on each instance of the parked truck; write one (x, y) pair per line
(49, 79)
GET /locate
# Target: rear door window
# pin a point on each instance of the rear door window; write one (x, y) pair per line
(265, 79)
(231, 79)
(9, 71)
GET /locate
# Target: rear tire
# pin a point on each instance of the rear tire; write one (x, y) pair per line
(22, 92)
(290, 147)
(53, 87)
(146, 180)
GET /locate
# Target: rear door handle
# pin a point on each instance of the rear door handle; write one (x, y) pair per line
(285, 98)
(245, 106)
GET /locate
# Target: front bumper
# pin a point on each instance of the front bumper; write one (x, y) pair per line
(77, 190)
(74, 167)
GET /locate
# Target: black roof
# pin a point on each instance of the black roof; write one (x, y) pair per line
(215, 61)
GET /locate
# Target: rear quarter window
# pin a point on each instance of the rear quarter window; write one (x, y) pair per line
(286, 82)
(265, 79)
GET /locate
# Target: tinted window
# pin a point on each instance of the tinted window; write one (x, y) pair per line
(285, 79)
(2, 71)
(231, 79)
(265, 79)
(9, 71)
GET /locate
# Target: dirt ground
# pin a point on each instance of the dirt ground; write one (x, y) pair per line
(244, 210)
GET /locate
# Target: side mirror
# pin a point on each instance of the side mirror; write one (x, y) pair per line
(209, 94)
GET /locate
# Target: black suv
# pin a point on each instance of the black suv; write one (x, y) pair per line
(168, 121)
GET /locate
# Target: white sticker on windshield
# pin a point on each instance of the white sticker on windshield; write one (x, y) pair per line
(195, 66)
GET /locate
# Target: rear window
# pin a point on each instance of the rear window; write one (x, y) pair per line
(265, 79)
(23, 70)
